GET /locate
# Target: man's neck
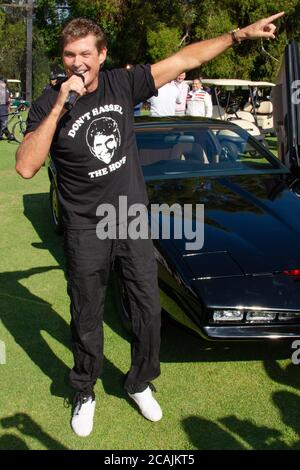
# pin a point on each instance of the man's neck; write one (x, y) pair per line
(92, 87)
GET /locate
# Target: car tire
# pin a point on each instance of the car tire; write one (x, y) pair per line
(55, 209)
(231, 149)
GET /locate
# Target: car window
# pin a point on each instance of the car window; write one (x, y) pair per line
(212, 150)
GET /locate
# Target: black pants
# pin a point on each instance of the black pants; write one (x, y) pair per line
(3, 122)
(89, 262)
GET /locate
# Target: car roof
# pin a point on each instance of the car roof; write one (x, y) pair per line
(164, 121)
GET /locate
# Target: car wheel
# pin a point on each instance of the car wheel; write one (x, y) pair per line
(229, 151)
(55, 209)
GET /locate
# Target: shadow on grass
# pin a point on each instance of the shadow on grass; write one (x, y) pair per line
(23, 423)
(25, 316)
(232, 433)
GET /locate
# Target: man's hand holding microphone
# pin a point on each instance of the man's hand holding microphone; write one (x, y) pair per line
(70, 91)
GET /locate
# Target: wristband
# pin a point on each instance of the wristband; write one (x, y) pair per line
(234, 36)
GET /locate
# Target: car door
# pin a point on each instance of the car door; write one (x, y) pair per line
(286, 102)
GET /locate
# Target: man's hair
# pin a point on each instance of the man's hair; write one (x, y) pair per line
(80, 28)
(102, 126)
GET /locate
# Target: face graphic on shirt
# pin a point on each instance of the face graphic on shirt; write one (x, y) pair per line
(103, 138)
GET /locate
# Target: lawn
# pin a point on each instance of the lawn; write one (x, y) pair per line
(225, 396)
(272, 144)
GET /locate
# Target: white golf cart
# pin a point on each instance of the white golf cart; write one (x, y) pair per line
(244, 102)
(261, 106)
(14, 86)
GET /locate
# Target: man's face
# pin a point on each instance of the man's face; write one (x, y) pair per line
(82, 56)
(180, 77)
(196, 84)
(104, 147)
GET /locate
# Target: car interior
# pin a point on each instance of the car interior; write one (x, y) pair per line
(206, 149)
(200, 147)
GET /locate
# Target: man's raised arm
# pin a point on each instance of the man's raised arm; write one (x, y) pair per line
(196, 54)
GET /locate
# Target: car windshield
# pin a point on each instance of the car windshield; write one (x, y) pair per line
(172, 152)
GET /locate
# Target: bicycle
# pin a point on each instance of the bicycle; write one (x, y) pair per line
(19, 127)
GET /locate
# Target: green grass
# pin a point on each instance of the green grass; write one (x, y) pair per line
(226, 396)
(272, 144)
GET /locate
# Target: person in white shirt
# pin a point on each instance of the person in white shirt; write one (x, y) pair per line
(164, 103)
(198, 101)
(183, 89)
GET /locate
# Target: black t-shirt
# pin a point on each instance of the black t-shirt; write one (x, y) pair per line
(94, 148)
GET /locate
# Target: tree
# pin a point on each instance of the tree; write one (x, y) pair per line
(12, 46)
(162, 42)
(140, 31)
(246, 60)
(40, 66)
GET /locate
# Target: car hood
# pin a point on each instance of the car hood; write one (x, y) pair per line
(251, 223)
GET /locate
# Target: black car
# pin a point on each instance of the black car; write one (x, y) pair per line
(244, 282)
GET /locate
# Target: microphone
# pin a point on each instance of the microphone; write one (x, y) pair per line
(73, 95)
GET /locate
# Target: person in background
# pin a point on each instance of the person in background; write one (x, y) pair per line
(183, 90)
(199, 101)
(164, 103)
(4, 110)
(54, 77)
(137, 110)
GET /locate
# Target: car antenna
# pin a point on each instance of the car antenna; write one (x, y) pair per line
(263, 50)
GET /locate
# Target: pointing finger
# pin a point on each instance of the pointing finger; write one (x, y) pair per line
(272, 18)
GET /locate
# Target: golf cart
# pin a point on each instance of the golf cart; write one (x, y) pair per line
(228, 105)
(261, 106)
(244, 102)
(15, 91)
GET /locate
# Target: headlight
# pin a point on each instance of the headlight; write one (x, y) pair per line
(255, 315)
(228, 315)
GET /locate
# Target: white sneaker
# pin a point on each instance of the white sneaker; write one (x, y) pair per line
(83, 414)
(147, 404)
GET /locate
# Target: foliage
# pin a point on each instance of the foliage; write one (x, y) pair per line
(12, 47)
(246, 60)
(40, 66)
(163, 41)
(140, 31)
